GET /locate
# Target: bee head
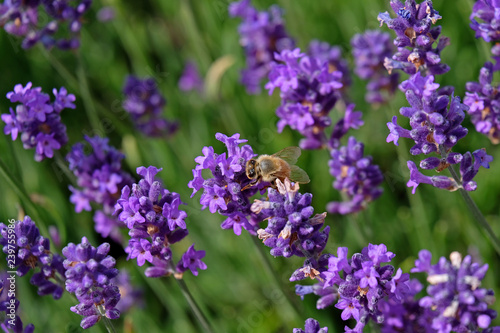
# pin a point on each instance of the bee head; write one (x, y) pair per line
(250, 168)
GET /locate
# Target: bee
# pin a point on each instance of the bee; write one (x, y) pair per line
(268, 168)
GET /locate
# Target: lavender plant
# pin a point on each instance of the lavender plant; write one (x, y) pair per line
(40, 21)
(37, 120)
(145, 104)
(100, 178)
(152, 214)
(88, 274)
(261, 35)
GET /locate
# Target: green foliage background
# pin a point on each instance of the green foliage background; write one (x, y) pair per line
(237, 292)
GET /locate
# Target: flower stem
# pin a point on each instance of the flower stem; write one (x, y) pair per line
(471, 204)
(194, 306)
(272, 272)
(108, 324)
(87, 98)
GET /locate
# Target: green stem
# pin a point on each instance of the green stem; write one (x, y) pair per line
(272, 272)
(194, 306)
(26, 200)
(108, 324)
(471, 204)
(87, 98)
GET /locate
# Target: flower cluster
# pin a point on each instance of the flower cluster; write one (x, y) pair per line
(309, 89)
(483, 100)
(355, 176)
(31, 251)
(415, 38)
(487, 12)
(152, 214)
(362, 283)
(24, 18)
(191, 79)
(37, 119)
(370, 50)
(145, 104)
(436, 128)
(88, 274)
(226, 191)
(455, 301)
(100, 178)
(311, 326)
(9, 305)
(261, 35)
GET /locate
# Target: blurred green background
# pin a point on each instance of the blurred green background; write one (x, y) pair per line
(237, 292)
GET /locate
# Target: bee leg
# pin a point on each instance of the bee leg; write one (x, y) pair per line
(250, 184)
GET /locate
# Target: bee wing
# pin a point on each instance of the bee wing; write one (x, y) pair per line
(298, 175)
(289, 154)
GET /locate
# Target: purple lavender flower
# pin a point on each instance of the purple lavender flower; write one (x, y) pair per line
(415, 38)
(309, 91)
(9, 306)
(222, 192)
(355, 176)
(88, 274)
(351, 119)
(436, 128)
(21, 18)
(152, 214)
(327, 295)
(311, 326)
(106, 14)
(292, 228)
(455, 302)
(191, 260)
(100, 178)
(191, 79)
(487, 12)
(130, 295)
(32, 251)
(261, 35)
(362, 283)
(145, 104)
(483, 100)
(37, 119)
(369, 50)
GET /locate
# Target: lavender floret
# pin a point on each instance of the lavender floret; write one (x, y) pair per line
(37, 120)
(311, 326)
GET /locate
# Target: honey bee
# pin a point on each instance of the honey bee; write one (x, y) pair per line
(268, 168)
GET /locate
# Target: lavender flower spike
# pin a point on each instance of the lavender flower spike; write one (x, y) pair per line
(309, 89)
(261, 35)
(145, 104)
(415, 38)
(484, 20)
(369, 50)
(88, 274)
(356, 176)
(32, 252)
(152, 214)
(311, 326)
(483, 100)
(436, 121)
(37, 120)
(455, 302)
(100, 178)
(191, 79)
